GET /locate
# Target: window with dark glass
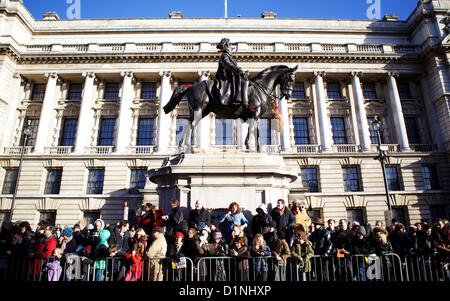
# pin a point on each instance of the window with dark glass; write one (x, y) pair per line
(4, 216)
(309, 179)
(68, 132)
(264, 130)
(148, 90)
(393, 179)
(351, 178)
(106, 135)
(356, 215)
(338, 130)
(137, 180)
(48, 216)
(34, 124)
(430, 177)
(145, 131)
(369, 91)
(225, 134)
(399, 212)
(75, 91)
(411, 130)
(334, 90)
(9, 181)
(95, 181)
(299, 91)
(439, 211)
(91, 216)
(53, 182)
(111, 91)
(403, 90)
(301, 133)
(38, 92)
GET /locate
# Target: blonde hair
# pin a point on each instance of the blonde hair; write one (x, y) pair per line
(241, 233)
(256, 245)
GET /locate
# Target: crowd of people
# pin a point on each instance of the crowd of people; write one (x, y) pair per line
(284, 232)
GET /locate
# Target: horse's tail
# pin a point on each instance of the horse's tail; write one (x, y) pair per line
(177, 95)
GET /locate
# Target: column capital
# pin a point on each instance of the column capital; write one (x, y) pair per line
(319, 73)
(204, 73)
(89, 74)
(356, 73)
(392, 74)
(165, 73)
(51, 75)
(127, 74)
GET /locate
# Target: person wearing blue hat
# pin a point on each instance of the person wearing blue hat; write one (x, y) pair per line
(66, 243)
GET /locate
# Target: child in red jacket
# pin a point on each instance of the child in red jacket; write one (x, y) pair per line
(133, 261)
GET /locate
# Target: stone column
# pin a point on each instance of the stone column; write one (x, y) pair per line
(86, 117)
(324, 122)
(361, 117)
(124, 120)
(47, 113)
(164, 120)
(397, 112)
(204, 125)
(285, 137)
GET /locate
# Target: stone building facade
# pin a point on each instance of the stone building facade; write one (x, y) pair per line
(93, 92)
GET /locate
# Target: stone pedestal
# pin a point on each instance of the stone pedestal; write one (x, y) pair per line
(221, 178)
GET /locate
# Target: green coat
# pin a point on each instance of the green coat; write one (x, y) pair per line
(305, 252)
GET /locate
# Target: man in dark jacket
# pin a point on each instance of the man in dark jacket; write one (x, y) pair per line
(321, 238)
(283, 217)
(175, 221)
(120, 236)
(199, 214)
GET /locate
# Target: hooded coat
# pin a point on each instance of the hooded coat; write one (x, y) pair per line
(101, 250)
(261, 221)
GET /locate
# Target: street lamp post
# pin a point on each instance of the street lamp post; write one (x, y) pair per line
(26, 133)
(382, 154)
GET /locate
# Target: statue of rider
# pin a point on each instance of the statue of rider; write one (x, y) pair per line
(231, 81)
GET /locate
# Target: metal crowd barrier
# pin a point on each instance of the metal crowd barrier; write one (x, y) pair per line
(388, 267)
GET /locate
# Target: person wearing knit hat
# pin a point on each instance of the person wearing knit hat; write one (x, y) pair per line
(68, 232)
(179, 234)
(217, 234)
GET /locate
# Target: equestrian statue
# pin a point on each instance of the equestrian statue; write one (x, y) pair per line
(232, 95)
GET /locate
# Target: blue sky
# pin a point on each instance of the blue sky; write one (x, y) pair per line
(322, 9)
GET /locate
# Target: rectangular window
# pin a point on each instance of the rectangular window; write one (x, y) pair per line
(301, 132)
(181, 124)
(356, 215)
(48, 216)
(338, 130)
(34, 124)
(148, 90)
(334, 91)
(309, 179)
(225, 134)
(68, 132)
(95, 181)
(111, 91)
(9, 181)
(137, 180)
(403, 90)
(393, 179)
(106, 135)
(430, 177)
(38, 92)
(91, 216)
(438, 211)
(264, 130)
(373, 132)
(4, 216)
(53, 182)
(400, 214)
(145, 131)
(299, 91)
(316, 213)
(369, 91)
(351, 178)
(411, 130)
(75, 91)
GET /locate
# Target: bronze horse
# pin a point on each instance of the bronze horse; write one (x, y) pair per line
(202, 100)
